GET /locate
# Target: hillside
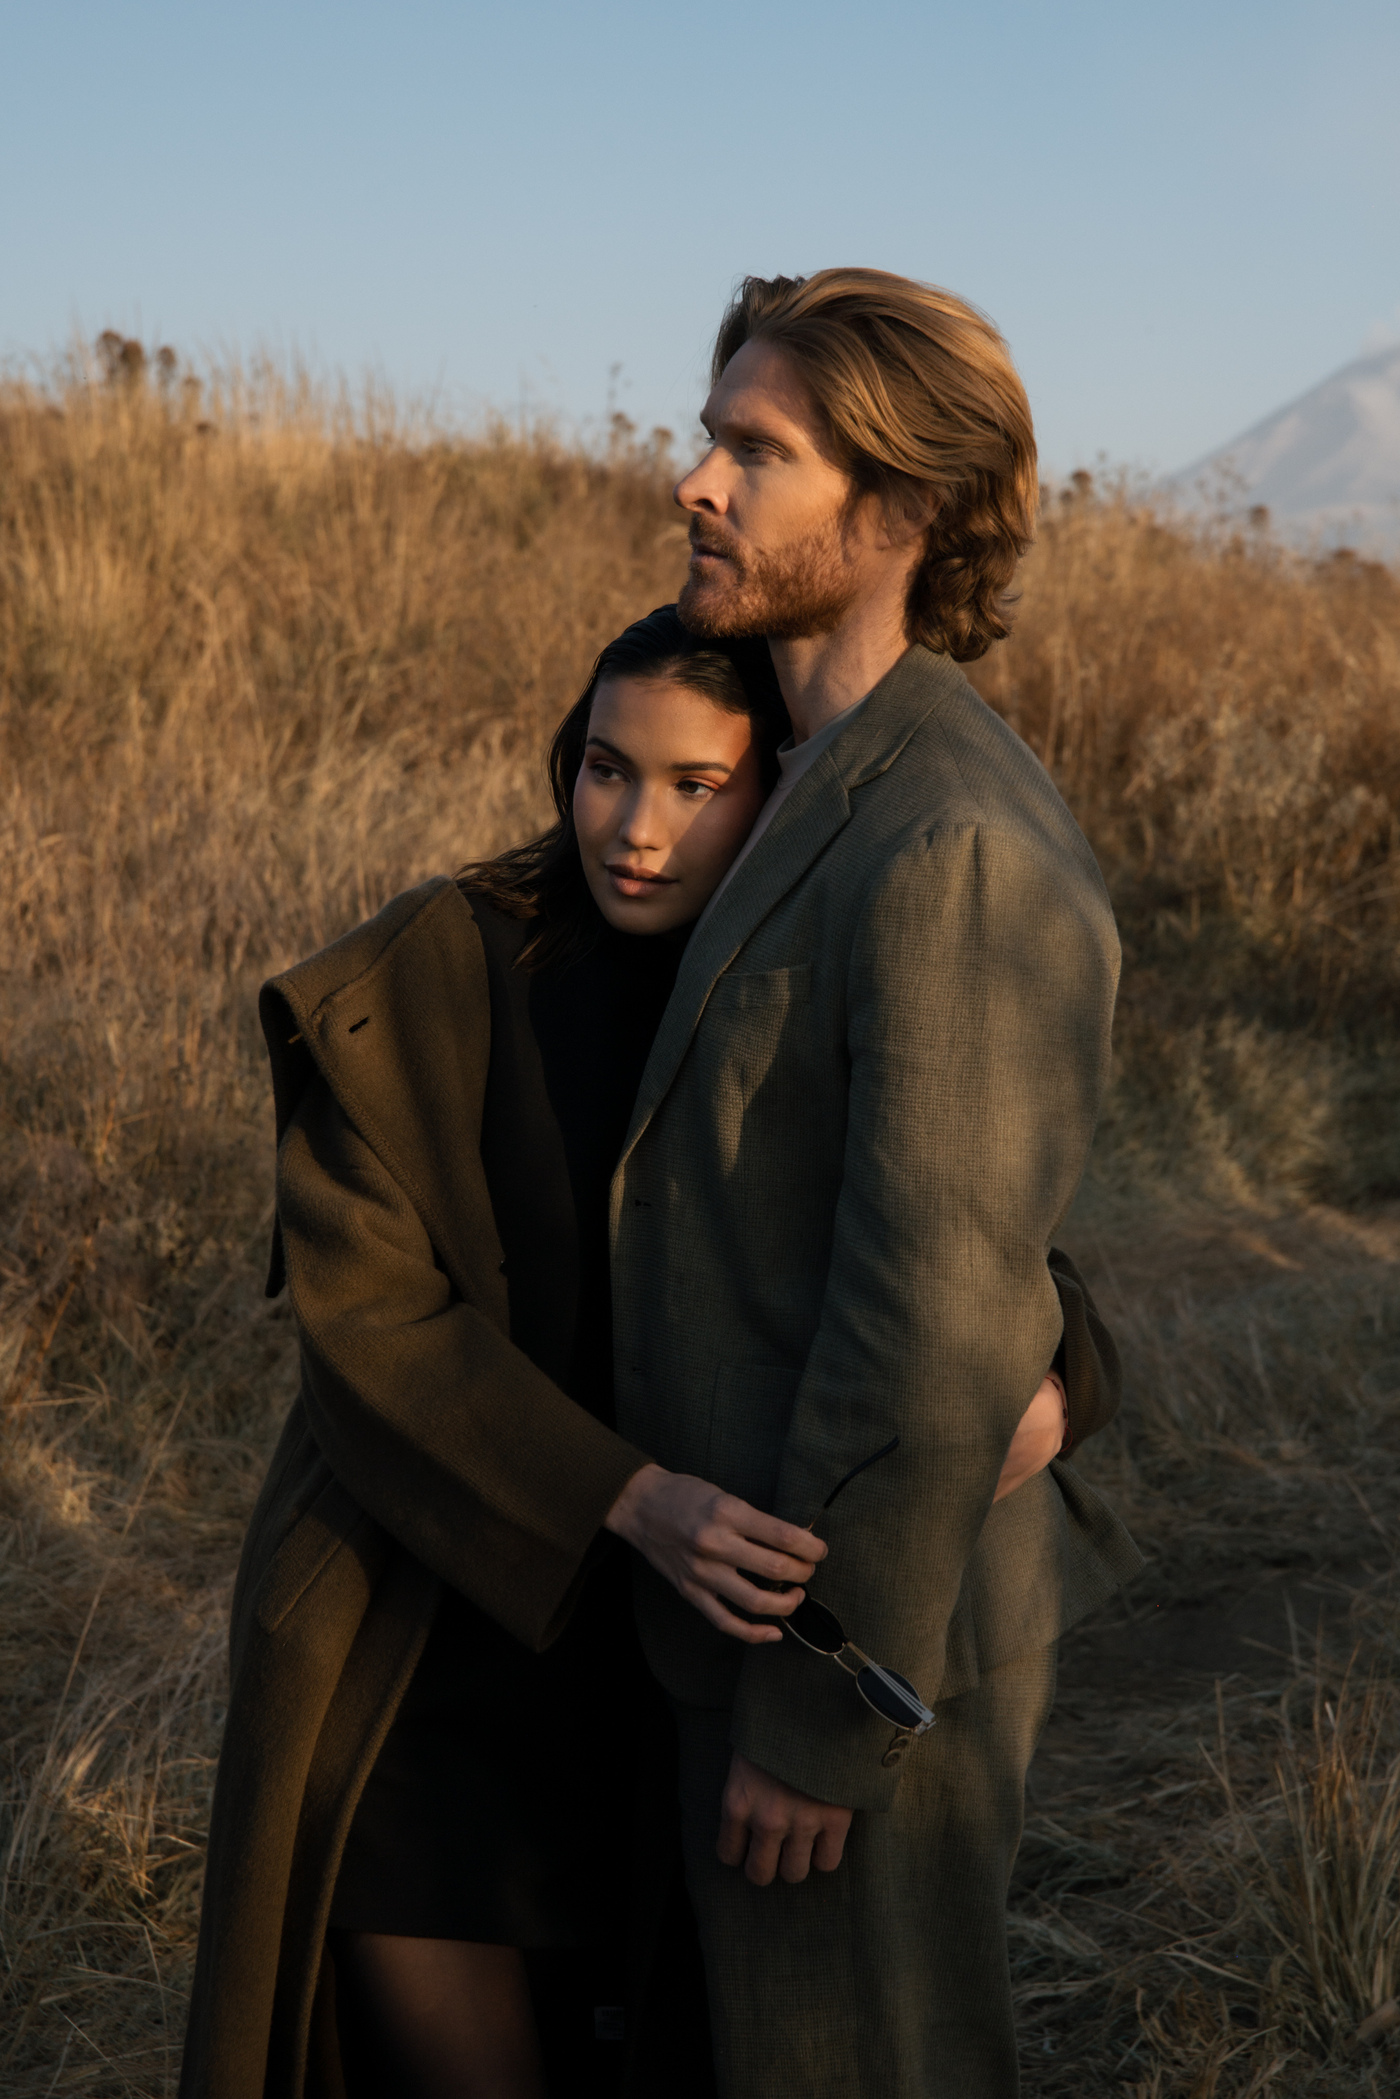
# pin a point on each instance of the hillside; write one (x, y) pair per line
(264, 660)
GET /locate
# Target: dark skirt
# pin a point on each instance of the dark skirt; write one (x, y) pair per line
(502, 1805)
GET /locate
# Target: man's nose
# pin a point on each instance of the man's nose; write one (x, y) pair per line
(702, 488)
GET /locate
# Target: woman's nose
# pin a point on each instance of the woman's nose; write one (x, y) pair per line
(638, 829)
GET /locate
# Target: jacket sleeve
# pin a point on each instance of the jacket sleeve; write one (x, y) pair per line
(979, 998)
(1087, 1357)
(442, 1430)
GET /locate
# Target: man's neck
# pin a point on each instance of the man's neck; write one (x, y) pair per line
(821, 675)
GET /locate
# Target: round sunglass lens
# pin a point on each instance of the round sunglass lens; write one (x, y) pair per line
(818, 1626)
(891, 1695)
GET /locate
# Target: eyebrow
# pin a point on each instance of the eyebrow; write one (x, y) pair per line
(747, 426)
(693, 765)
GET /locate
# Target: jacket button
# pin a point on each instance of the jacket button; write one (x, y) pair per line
(891, 1756)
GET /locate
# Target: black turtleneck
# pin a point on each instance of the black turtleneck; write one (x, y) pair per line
(568, 1047)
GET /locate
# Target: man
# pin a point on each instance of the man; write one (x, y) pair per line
(868, 1107)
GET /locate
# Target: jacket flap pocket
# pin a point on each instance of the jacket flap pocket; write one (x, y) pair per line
(742, 990)
(313, 1540)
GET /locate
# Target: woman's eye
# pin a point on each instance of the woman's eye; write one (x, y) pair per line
(696, 790)
(601, 770)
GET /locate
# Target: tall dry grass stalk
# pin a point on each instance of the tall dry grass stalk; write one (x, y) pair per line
(1318, 1866)
(262, 663)
(1224, 718)
(264, 659)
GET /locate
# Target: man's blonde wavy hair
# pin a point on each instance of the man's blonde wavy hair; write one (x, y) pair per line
(921, 400)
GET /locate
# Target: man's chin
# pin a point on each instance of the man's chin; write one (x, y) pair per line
(713, 607)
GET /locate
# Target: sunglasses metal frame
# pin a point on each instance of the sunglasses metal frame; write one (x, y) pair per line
(856, 1663)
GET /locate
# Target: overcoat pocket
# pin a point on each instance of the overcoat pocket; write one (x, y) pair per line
(314, 1539)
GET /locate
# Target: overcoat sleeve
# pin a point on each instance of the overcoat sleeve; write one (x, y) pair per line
(979, 999)
(440, 1428)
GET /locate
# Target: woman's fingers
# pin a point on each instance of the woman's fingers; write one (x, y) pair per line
(772, 1531)
(773, 1566)
(1039, 1435)
(728, 1583)
(709, 1606)
(708, 1544)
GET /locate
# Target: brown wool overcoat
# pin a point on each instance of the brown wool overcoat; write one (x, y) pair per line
(423, 1448)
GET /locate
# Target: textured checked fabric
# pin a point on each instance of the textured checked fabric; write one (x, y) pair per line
(868, 1107)
(887, 1979)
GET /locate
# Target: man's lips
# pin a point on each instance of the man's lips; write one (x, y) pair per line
(636, 881)
(709, 550)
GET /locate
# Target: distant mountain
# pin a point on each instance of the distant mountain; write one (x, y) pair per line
(1327, 465)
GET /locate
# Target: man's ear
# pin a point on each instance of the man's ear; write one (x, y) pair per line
(907, 512)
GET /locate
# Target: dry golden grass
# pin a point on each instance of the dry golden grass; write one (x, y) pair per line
(263, 661)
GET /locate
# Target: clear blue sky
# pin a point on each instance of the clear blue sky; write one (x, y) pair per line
(1181, 214)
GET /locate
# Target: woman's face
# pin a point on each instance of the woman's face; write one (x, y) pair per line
(668, 792)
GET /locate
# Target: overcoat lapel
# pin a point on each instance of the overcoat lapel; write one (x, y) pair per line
(404, 1046)
(816, 810)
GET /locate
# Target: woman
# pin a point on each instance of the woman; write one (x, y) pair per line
(444, 1778)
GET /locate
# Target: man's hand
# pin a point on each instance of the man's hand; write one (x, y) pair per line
(700, 1538)
(768, 1828)
(1041, 1434)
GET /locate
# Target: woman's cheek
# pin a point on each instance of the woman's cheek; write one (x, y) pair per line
(589, 816)
(714, 843)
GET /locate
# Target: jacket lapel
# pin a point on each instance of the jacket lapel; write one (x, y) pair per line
(812, 815)
(818, 807)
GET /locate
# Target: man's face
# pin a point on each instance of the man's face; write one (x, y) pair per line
(779, 545)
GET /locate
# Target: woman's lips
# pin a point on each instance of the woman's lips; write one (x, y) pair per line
(635, 881)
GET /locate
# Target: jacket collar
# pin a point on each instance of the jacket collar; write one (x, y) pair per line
(818, 807)
(396, 1017)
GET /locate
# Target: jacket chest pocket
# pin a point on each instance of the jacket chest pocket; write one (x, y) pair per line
(755, 1028)
(753, 991)
(762, 1056)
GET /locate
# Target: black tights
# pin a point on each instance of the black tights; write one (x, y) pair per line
(450, 2019)
(434, 2019)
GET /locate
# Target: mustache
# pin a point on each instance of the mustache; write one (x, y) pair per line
(708, 539)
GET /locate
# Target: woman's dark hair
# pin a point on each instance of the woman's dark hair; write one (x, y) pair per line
(545, 879)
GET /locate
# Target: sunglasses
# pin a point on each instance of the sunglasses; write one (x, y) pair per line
(885, 1691)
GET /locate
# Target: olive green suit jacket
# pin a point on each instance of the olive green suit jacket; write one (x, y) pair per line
(868, 1107)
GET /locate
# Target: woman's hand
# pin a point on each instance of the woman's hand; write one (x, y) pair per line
(1041, 1435)
(701, 1538)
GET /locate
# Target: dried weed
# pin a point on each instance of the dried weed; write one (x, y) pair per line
(267, 657)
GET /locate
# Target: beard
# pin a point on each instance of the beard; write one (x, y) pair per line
(806, 588)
